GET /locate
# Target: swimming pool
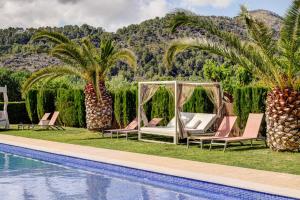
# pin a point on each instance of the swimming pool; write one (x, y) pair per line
(64, 177)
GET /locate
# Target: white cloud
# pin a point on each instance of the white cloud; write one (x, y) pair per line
(110, 14)
(214, 3)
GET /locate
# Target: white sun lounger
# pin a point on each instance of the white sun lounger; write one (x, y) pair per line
(206, 122)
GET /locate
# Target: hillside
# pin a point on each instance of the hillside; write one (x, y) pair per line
(147, 39)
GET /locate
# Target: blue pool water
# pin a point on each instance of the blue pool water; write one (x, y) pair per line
(23, 178)
(46, 176)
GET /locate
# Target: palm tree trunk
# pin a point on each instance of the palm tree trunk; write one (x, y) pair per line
(98, 113)
(283, 120)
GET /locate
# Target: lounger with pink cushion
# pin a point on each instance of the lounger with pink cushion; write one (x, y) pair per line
(132, 127)
(223, 131)
(251, 132)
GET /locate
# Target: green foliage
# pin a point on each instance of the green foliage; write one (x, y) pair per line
(13, 80)
(230, 76)
(161, 105)
(70, 104)
(79, 107)
(125, 104)
(118, 107)
(272, 61)
(16, 112)
(31, 105)
(45, 102)
(83, 59)
(65, 105)
(248, 100)
(199, 102)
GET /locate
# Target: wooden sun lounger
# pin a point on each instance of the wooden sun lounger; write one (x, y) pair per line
(223, 131)
(251, 132)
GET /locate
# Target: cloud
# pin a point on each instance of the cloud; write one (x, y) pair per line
(214, 3)
(109, 14)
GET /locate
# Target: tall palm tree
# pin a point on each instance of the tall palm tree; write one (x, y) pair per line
(86, 61)
(276, 63)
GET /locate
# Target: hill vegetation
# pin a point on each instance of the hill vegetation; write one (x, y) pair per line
(148, 40)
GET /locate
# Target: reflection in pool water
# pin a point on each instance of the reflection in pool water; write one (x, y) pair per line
(22, 178)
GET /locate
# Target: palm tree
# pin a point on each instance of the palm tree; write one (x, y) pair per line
(91, 64)
(276, 63)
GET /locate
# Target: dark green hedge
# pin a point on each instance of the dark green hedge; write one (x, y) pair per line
(247, 100)
(70, 103)
(45, 102)
(17, 112)
(31, 105)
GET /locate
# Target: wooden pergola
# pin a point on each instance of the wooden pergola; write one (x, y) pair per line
(3, 114)
(175, 85)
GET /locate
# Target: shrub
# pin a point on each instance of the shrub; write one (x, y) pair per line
(45, 102)
(70, 104)
(80, 107)
(17, 112)
(247, 100)
(31, 105)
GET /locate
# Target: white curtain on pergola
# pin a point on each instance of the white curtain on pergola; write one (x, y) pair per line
(182, 92)
(3, 113)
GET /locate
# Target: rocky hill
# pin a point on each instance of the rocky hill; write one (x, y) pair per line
(147, 39)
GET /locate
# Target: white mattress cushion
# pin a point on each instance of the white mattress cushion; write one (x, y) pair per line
(206, 120)
(193, 123)
(185, 118)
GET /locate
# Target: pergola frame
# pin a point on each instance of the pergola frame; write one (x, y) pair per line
(4, 118)
(175, 83)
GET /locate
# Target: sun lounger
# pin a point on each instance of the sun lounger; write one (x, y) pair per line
(205, 121)
(132, 127)
(223, 131)
(43, 122)
(250, 133)
(52, 123)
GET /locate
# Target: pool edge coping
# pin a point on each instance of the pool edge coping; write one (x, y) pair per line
(232, 182)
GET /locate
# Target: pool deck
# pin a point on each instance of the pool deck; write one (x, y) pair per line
(263, 181)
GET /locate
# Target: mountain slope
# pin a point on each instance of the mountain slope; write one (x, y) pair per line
(148, 40)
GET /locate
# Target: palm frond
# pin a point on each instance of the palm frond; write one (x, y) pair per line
(72, 51)
(55, 37)
(50, 72)
(290, 38)
(124, 55)
(260, 34)
(218, 49)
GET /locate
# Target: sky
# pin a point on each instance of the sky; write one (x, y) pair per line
(114, 14)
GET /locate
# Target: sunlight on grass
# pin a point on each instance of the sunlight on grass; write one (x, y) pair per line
(257, 157)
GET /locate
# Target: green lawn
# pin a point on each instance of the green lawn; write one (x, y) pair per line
(257, 157)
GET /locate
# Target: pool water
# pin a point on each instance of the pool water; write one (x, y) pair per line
(24, 178)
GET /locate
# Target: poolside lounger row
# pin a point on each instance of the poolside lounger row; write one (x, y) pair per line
(222, 137)
(45, 122)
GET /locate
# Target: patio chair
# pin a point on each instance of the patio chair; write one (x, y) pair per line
(132, 127)
(251, 132)
(52, 123)
(223, 131)
(43, 122)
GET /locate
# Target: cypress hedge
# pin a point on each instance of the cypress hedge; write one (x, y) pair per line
(70, 103)
(45, 102)
(17, 112)
(248, 100)
(31, 105)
